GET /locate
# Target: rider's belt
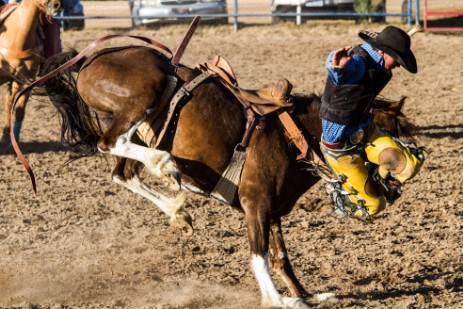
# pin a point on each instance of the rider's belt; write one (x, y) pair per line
(357, 137)
(333, 145)
(354, 139)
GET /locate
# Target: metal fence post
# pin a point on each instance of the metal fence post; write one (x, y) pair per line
(235, 15)
(409, 12)
(417, 13)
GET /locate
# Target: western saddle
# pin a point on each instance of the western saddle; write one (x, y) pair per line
(276, 98)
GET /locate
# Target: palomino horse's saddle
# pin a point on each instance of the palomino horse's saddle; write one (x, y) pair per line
(5, 12)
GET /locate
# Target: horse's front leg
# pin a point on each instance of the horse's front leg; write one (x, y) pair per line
(6, 128)
(20, 112)
(280, 263)
(257, 214)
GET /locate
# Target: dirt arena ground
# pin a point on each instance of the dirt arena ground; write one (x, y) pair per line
(84, 242)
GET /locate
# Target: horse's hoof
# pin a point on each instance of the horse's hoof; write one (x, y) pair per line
(324, 297)
(173, 184)
(171, 176)
(183, 221)
(5, 140)
(286, 302)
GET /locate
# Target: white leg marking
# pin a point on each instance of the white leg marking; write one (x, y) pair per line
(192, 188)
(168, 205)
(270, 296)
(159, 163)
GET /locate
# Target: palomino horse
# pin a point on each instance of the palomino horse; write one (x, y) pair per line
(21, 48)
(122, 84)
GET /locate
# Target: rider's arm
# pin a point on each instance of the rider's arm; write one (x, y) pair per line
(351, 73)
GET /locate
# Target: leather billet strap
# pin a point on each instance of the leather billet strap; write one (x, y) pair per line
(182, 94)
(181, 48)
(294, 134)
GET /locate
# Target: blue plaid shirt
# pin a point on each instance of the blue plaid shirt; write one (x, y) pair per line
(351, 74)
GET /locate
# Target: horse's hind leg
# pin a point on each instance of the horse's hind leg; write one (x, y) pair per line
(280, 263)
(126, 173)
(159, 163)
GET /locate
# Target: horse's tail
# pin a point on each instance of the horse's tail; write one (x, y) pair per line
(79, 129)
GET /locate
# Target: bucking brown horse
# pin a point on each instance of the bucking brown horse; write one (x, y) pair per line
(118, 89)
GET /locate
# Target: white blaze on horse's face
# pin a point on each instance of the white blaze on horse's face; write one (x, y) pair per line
(51, 7)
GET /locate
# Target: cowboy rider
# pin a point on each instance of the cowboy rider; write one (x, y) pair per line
(350, 139)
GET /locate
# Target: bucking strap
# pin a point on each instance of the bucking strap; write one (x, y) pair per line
(147, 130)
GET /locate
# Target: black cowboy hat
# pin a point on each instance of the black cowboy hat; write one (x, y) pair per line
(395, 42)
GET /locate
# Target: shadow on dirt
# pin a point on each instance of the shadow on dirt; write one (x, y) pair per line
(448, 22)
(453, 131)
(34, 147)
(423, 278)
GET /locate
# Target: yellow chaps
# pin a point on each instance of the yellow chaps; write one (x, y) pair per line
(390, 155)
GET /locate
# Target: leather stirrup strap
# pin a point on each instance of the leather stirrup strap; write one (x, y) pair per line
(294, 134)
(7, 9)
(250, 126)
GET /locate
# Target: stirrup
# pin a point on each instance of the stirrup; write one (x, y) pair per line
(342, 205)
(417, 151)
(391, 187)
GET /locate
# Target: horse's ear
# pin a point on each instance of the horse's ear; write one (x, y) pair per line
(402, 102)
(397, 105)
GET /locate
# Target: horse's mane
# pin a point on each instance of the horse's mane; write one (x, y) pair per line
(304, 103)
(391, 119)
